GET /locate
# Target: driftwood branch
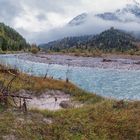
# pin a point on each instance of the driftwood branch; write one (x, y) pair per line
(18, 96)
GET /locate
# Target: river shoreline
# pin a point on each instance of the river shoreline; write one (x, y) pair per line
(105, 62)
(114, 78)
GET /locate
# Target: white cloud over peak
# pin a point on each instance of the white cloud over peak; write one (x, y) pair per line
(43, 20)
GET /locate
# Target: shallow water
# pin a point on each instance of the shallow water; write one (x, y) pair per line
(114, 83)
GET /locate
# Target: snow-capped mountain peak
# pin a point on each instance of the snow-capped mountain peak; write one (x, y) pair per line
(80, 19)
(130, 13)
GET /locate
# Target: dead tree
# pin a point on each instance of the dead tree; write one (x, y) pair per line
(5, 92)
(47, 71)
(24, 105)
(67, 73)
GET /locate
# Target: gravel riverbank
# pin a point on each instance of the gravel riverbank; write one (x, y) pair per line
(114, 62)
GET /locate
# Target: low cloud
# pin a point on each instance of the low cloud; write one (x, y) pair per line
(43, 21)
(93, 25)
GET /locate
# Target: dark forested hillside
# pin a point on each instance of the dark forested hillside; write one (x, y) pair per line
(67, 43)
(10, 39)
(111, 40)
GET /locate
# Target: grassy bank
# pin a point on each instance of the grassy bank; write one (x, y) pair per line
(38, 85)
(98, 119)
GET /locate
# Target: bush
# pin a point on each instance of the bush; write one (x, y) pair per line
(34, 50)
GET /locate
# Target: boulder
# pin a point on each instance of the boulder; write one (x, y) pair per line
(66, 104)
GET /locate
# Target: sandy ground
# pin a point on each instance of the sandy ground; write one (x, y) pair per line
(49, 100)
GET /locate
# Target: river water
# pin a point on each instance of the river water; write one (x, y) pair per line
(114, 83)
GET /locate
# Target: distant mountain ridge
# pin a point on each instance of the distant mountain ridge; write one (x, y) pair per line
(107, 41)
(11, 39)
(130, 13)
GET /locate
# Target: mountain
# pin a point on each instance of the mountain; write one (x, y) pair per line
(113, 39)
(130, 13)
(80, 19)
(108, 41)
(66, 43)
(10, 39)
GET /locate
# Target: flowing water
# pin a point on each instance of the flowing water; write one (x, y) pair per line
(114, 83)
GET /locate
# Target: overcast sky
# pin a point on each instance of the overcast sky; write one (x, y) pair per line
(35, 19)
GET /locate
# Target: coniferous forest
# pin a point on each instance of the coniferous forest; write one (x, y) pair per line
(11, 40)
